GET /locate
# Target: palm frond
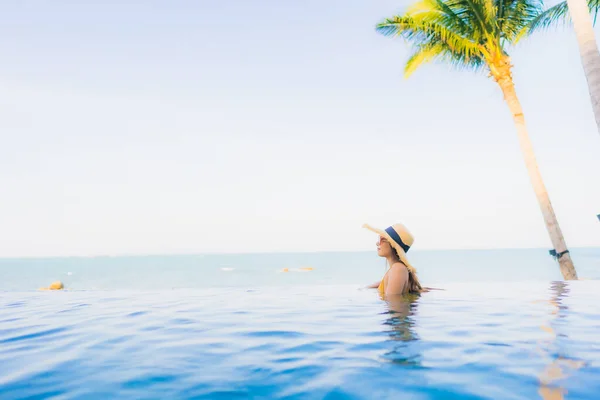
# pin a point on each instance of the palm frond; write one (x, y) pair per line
(463, 33)
(452, 15)
(594, 9)
(440, 53)
(490, 10)
(559, 15)
(428, 30)
(422, 55)
(477, 9)
(518, 16)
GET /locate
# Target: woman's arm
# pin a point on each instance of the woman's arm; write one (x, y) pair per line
(374, 285)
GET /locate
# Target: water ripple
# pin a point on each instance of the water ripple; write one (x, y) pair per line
(477, 342)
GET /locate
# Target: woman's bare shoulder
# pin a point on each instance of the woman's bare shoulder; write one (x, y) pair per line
(398, 266)
(399, 269)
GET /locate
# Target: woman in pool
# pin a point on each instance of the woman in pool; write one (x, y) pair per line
(401, 277)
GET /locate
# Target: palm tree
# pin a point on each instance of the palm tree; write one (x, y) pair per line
(588, 48)
(474, 34)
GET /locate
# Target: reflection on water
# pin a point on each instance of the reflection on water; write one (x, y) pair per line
(553, 376)
(468, 342)
(400, 326)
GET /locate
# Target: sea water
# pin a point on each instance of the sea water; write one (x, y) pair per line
(299, 326)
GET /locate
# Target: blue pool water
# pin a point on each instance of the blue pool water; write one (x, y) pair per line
(238, 327)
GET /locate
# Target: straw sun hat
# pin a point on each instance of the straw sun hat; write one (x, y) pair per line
(401, 240)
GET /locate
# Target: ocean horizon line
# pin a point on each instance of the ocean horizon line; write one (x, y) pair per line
(277, 252)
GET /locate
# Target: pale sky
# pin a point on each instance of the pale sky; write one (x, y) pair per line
(235, 126)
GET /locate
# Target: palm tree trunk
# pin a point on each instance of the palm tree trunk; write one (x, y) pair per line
(588, 49)
(502, 74)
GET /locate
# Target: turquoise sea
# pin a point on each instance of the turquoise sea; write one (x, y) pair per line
(241, 326)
